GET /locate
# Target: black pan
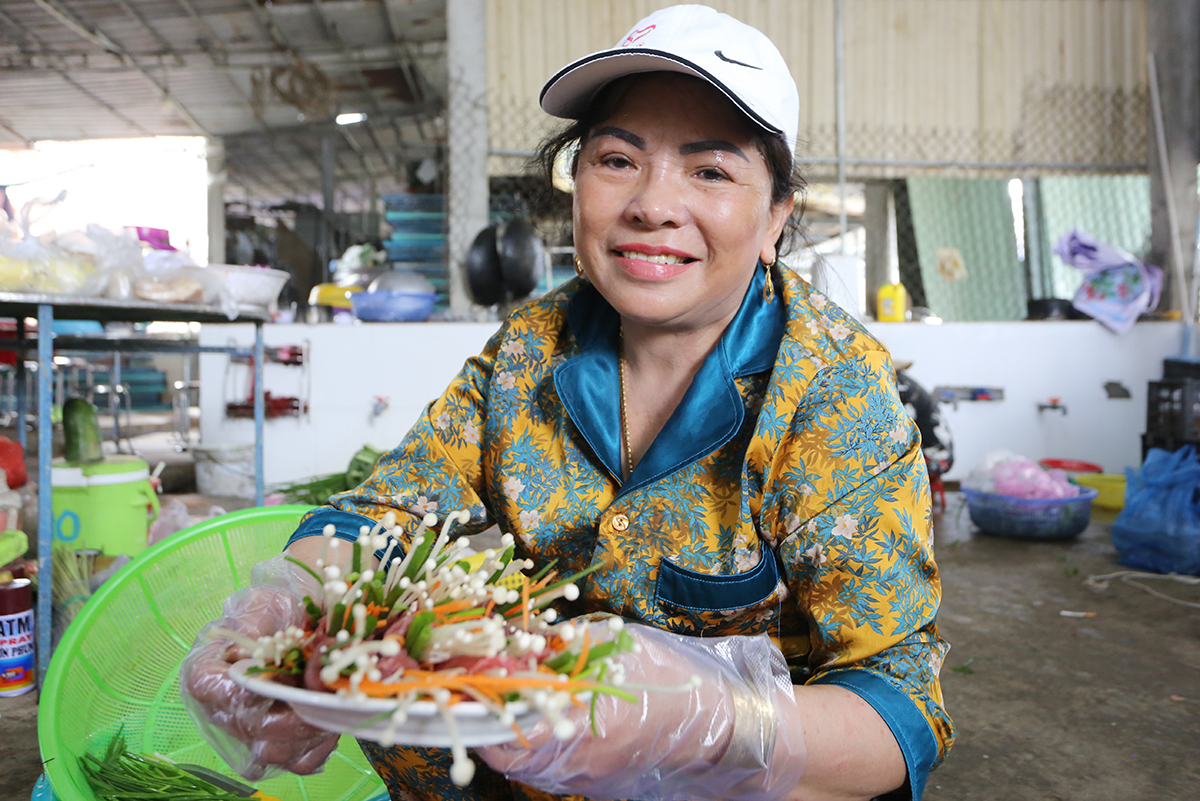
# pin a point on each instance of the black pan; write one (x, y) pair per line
(484, 279)
(520, 257)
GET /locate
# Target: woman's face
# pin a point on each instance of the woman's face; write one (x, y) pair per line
(672, 204)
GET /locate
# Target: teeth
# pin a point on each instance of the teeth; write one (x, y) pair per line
(664, 258)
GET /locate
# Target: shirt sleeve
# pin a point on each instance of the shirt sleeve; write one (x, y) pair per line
(437, 468)
(858, 553)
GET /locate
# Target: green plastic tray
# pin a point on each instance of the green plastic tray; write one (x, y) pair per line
(118, 663)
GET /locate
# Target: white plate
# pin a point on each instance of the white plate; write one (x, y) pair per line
(425, 726)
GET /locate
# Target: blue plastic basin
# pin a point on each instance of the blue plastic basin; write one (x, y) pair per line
(1031, 518)
(392, 307)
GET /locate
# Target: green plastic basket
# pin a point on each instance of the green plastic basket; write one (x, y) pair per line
(118, 663)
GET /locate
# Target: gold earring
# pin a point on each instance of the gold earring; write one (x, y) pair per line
(579, 267)
(769, 286)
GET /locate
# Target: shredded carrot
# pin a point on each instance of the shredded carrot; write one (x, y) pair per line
(453, 606)
(491, 604)
(581, 660)
(524, 602)
(491, 695)
(430, 680)
(545, 580)
(521, 737)
(376, 610)
(518, 682)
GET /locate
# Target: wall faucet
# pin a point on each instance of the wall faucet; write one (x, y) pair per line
(1053, 406)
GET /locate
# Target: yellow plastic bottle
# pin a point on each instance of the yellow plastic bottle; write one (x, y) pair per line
(892, 303)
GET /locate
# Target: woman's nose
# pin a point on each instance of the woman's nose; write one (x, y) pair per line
(658, 201)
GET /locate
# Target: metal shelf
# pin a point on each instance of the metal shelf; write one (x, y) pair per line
(21, 304)
(75, 344)
(46, 308)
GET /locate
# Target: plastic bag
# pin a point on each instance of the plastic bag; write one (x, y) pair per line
(1006, 473)
(174, 517)
(32, 264)
(1159, 528)
(117, 256)
(1116, 287)
(171, 276)
(1025, 479)
(256, 736)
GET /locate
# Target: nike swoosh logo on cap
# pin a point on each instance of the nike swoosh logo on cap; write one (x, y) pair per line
(729, 60)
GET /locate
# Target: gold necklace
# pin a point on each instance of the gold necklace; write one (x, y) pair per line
(624, 411)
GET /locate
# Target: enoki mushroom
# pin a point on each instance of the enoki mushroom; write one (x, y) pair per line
(431, 626)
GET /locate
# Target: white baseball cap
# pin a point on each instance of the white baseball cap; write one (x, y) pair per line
(694, 40)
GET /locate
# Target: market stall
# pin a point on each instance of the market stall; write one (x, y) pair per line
(46, 308)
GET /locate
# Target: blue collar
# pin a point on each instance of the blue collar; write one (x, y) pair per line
(712, 409)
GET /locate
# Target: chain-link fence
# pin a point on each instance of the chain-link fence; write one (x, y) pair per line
(1000, 150)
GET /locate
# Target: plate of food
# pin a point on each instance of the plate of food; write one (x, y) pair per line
(435, 649)
(419, 723)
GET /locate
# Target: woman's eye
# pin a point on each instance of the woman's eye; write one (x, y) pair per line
(616, 162)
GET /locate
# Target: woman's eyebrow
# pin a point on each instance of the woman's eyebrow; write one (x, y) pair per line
(621, 133)
(712, 144)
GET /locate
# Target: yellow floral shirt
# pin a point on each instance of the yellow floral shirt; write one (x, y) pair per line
(787, 494)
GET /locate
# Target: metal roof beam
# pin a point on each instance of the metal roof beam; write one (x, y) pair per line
(158, 37)
(263, 19)
(315, 159)
(250, 143)
(335, 35)
(242, 164)
(30, 35)
(416, 111)
(368, 56)
(6, 125)
(419, 85)
(267, 24)
(209, 42)
(99, 37)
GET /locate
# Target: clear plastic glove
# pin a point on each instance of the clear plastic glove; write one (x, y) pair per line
(736, 735)
(257, 736)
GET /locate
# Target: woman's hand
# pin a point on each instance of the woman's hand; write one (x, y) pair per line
(256, 735)
(735, 733)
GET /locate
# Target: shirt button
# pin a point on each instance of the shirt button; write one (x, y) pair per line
(620, 523)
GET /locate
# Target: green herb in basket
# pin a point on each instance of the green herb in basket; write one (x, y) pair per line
(122, 776)
(318, 489)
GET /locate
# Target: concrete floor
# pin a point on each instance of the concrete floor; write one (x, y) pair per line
(1048, 708)
(1063, 708)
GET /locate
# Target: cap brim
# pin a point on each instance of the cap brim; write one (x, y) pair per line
(573, 88)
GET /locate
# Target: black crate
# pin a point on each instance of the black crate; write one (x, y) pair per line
(1173, 410)
(1163, 444)
(1174, 369)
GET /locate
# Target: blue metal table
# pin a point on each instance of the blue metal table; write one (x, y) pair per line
(46, 308)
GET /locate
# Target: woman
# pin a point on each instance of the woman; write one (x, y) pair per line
(724, 442)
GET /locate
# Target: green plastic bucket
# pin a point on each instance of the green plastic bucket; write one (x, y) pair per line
(118, 663)
(107, 506)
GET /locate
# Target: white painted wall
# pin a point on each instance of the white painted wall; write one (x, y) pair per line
(413, 363)
(348, 366)
(1032, 362)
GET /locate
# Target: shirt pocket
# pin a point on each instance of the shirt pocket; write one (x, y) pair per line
(713, 605)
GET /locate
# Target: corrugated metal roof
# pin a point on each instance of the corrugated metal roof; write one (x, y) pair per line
(74, 69)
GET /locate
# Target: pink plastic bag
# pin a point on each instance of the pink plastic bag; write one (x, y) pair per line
(1021, 478)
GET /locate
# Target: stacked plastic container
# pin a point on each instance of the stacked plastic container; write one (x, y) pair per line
(418, 240)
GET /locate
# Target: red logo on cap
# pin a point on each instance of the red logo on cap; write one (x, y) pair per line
(636, 36)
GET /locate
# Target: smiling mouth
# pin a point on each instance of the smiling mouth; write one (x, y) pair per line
(662, 258)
